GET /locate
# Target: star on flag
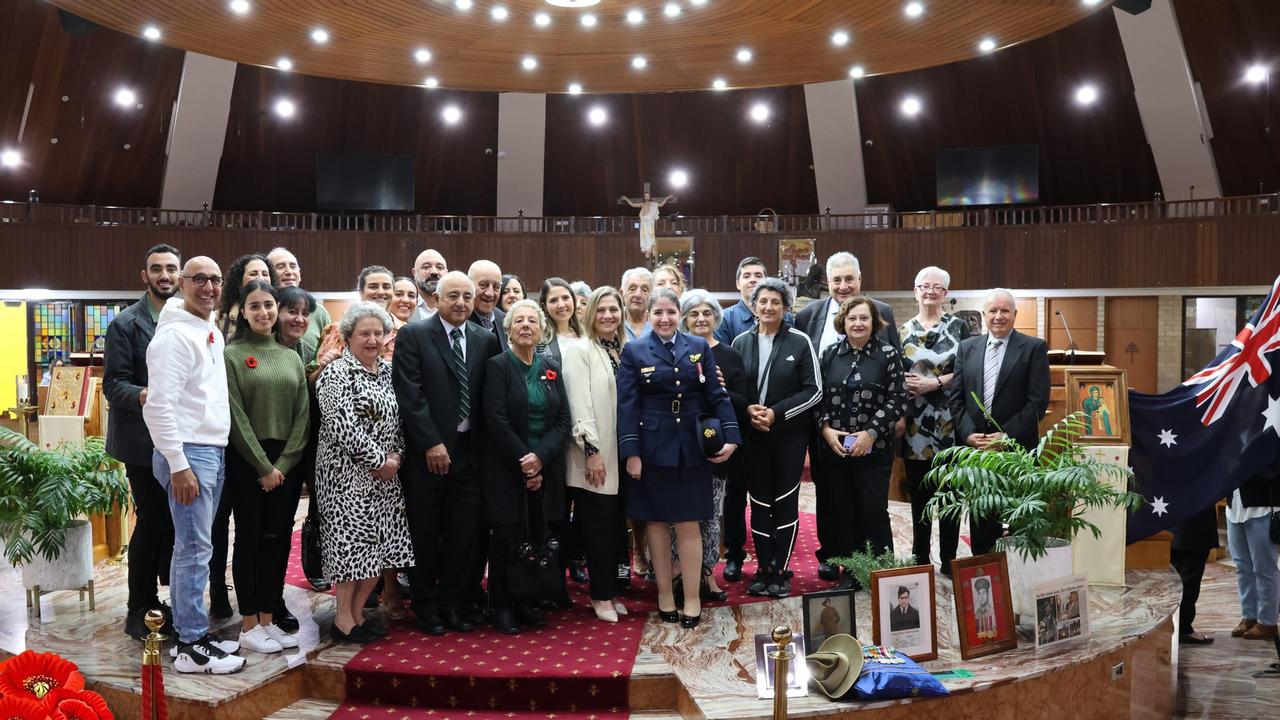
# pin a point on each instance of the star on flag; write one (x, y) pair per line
(1272, 414)
(1167, 438)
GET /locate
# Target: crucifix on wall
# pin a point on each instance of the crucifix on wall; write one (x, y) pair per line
(648, 217)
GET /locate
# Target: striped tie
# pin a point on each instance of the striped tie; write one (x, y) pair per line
(460, 366)
(990, 372)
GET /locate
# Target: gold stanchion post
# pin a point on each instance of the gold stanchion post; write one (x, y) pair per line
(780, 657)
(153, 701)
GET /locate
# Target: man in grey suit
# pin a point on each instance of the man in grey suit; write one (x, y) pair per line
(817, 320)
(1009, 373)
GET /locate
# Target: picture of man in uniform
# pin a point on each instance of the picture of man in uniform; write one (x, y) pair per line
(984, 613)
(904, 616)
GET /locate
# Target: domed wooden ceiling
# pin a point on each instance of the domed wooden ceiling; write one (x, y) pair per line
(537, 46)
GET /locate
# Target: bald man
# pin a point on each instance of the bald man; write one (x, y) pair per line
(428, 268)
(487, 277)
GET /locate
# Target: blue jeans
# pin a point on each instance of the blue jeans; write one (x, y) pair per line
(1256, 574)
(192, 537)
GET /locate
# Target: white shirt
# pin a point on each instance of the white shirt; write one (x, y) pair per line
(465, 425)
(1238, 513)
(187, 400)
(829, 335)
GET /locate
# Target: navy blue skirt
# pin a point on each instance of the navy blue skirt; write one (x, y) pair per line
(678, 494)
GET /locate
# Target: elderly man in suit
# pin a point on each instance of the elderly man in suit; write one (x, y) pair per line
(1008, 372)
(487, 278)
(817, 320)
(443, 358)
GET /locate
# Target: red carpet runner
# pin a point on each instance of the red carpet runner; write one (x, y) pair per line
(577, 668)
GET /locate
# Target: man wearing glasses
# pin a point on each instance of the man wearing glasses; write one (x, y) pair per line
(189, 417)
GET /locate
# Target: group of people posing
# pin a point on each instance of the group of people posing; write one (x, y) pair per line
(446, 424)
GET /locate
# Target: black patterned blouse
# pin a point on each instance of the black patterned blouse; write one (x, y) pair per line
(863, 389)
(930, 353)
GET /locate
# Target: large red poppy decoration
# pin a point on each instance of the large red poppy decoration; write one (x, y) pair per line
(33, 675)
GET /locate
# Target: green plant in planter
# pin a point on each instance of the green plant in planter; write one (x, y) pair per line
(1040, 494)
(861, 563)
(43, 491)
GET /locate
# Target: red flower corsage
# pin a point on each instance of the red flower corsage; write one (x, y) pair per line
(251, 361)
(551, 375)
(211, 338)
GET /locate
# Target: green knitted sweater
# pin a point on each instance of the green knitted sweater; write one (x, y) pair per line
(268, 401)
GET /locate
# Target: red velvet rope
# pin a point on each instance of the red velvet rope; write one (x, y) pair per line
(153, 693)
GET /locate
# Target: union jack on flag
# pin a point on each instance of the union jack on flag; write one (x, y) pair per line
(1223, 376)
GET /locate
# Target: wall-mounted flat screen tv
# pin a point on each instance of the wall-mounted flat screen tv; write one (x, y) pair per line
(999, 175)
(348, 181)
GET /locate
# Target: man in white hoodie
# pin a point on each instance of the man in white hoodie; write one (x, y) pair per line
(189, 417)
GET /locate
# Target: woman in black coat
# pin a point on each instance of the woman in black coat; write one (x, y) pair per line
(527, 418)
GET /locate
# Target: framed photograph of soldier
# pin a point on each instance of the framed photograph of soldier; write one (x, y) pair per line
(797, 680)
(1062, 611)
(903, 611)
(984, 608)
(1102, 394)
(827, 613)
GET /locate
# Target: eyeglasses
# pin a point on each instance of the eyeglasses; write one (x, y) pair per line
(931, 288)
(202, 280)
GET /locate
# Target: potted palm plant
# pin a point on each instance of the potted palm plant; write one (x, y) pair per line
(1039, 495)
(45, 496)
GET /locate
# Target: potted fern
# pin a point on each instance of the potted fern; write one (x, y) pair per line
(44, 497)
(1039, 494)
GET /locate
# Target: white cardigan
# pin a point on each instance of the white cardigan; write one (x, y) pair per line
(593, 404)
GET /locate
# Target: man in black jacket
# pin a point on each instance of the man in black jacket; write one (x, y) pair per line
(1009, 373)
(124, 383)
(487, 277)
(438, 373)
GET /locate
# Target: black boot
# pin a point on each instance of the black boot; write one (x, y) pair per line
(219, 602)
(284, 619)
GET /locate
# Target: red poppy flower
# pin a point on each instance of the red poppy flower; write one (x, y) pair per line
(79, 704)
(33, 675)
(251, 361)
(211, 338)
(551, 374)
(13, 707)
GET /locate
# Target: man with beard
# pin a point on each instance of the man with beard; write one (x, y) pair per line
(124, 382)
(427, 271)
(289, 274)
(487, 277)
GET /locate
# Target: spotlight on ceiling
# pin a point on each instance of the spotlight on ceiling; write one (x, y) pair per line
(529, 62)
(910, 106)
(1090, 3)
(451, 114)
(635, 17)
(240, 7)
(320, 36)
(856, 72)
(840, 38)
(1256, 74)
(542, 19)
(744, 55)
(125, 98)
(285, 108)
(588, 20)
(10, 158)
(759, 112)
(431, 82)
(697, 3)
(284, 64)
(914, 9)
(597, 116)
(638, 62)
(678, 178)
(463, 5)
(671, 10)
(499, 13)
(1086, 94)
(151, 32)
(987, 45)
(719, 84)
(575, 88)
(573, 3)
(422, 56)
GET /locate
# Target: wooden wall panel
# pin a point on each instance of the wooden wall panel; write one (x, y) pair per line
(1081, 314)
(1132, 338)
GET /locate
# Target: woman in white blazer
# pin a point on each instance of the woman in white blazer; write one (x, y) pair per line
(590, 369)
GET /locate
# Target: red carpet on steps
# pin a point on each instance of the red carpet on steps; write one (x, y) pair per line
(576, 667)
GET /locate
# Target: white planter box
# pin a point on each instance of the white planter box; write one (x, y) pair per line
(72, 570)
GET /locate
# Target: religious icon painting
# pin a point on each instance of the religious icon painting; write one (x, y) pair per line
(903, 611)
(984, 608)
(1101, 395)
(827, 613)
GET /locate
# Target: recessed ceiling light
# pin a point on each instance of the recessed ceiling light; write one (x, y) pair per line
(914, 9)
(542, 19)
(573, 3)
(422, 55)
(759, 112)
(987, 45)
(638, 62)
(1086, 94)
(462, 4)
(431, 82)
(10, 158)
(1256, 74)
(320, 35)
(151, 32)
(698, 3)
(678, 178)
(575, 88)
(840, 38)
(1091, 3)
(719, 84)
(451, 114)
(285, 108)
(744, 55)
(597, 116)
(856, 72)
(671, 9)
(125, 98)
(635, 17)
(284, 63)
(910, 106)
(498, 12)
(588, 20)
(240, 7)
(529, 62)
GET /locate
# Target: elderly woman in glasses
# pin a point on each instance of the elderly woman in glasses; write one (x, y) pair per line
(929, 344)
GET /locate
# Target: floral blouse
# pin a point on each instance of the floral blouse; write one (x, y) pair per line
(863, 389)
(930, 353)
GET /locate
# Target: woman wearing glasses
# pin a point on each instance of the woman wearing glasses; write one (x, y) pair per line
(929, 344)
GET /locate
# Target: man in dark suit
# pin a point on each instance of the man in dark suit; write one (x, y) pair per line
(487, 277)
(438, 374)
(124, 383)
(904, 616)
(817, 320)
(1009, 374)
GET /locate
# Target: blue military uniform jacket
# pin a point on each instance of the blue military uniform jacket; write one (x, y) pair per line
(661, 394)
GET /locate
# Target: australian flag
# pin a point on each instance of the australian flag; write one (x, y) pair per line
(1200, 441)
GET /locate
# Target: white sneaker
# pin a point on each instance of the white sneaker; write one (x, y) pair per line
(259, 641)
(285, 639)
(227, 646)
(203, 656)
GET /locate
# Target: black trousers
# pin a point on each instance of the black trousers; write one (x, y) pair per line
(823, 471)
(264, 531)
(775, 461)
(151, 544)
(855, 505)
(602, 520)
(983, 534)
(734, 524)
(1190, 567)
(921, 527)
(221, 528)
(445, 525)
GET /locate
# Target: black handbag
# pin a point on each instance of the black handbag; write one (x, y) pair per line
(311, 564)
(533, 569)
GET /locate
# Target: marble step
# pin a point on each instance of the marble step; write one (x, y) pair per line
(305, 709)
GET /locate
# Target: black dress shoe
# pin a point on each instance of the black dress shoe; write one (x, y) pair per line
(624, 576)
(358, 635)
(219, 602)
(285, 619)
(709, 595)
(827, 571)
(670, 617)
(504, 621)
(733, 570)
(690, 621)
(431, 623)
(578, 571)
(475, 614)
(528, 615)
(455, 622)
(759, 586)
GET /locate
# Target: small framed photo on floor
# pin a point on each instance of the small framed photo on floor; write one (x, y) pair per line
(1062, 611)
(797, 681)
(984, 610)
(827, 613)
(903, 611)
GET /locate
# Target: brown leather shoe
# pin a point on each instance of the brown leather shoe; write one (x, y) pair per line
(1244, 627)
(1260, 632)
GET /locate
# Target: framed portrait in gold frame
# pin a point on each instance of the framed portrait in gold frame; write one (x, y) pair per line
(1102, 394)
